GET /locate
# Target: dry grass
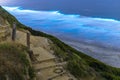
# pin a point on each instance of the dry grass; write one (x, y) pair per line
(13, 61)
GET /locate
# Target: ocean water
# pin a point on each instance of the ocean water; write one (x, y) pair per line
(97, 37)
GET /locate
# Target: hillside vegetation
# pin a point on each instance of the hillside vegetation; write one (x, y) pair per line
(14, 62)
(80, 65)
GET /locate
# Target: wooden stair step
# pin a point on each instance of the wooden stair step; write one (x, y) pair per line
(2, 31)
(46, 60)
(57, 75)
(50, 66)
(36, 55)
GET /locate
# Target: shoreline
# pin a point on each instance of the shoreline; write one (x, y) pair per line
(108, 55)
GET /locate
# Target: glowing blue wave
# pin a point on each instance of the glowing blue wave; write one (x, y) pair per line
(75, 26)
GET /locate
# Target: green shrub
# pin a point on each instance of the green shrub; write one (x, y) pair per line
(31, 72)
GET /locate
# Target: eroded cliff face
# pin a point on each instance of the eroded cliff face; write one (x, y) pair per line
(4, 29)
(4, 22)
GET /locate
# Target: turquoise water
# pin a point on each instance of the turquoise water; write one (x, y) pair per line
(96, 35)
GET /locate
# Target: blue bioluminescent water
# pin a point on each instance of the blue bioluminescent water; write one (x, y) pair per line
(97, 37)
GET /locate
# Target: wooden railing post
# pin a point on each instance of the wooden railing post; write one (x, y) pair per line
(28, 40)
(14, 32)
(28, 45)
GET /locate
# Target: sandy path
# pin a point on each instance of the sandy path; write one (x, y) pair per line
(45, 63)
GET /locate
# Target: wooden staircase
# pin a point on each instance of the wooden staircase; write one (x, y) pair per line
(51, 69)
